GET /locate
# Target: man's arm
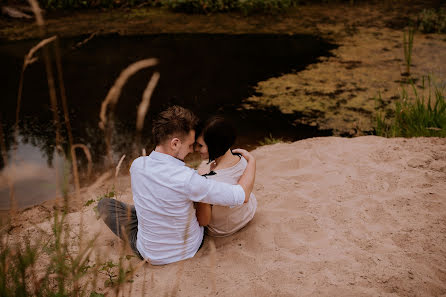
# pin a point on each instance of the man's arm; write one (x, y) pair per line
(209, 191)
(248, 177)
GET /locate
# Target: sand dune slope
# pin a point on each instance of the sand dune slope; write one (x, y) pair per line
(336, 217)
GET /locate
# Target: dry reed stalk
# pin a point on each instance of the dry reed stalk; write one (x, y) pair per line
(181, 264)
(76, 176)
(124, 248)
(99, 181)
(63, 97)
(53, 96)
(115, 91)
(50, 77)
(145, 102)
(144, 106)
(81, 43)
(212, 265)
(10, 183)
(178, 278)
(117, 171)
(144, 154)
(113, 96)
(119, 166)
(130, 289)
(28, 60)
(37, 12)
(87, 153)
(143, 289)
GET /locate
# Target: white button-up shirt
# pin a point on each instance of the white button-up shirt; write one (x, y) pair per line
(164, 190)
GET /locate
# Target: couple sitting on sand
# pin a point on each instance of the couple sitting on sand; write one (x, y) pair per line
(172, 201)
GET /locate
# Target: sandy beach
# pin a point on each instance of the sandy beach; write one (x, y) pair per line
(336, 217)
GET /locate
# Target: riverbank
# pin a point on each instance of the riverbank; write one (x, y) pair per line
(339, 92)
(335, 217)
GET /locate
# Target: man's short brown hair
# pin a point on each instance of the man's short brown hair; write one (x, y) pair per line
(176, 121)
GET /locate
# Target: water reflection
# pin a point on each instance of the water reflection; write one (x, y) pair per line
(206, 73)
(34, 180)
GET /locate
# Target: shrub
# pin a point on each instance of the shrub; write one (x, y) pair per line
(432, 21)
(265, 6)
(75, 4)
(201, 6)
(245, 6)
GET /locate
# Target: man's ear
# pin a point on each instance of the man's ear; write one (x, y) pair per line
(175, 144)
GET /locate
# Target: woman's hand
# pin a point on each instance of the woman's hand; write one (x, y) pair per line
(249, 175)
(245, 154)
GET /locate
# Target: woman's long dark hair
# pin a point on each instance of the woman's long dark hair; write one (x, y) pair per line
(219, 135)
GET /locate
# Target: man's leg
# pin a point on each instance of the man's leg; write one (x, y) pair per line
(121, 219)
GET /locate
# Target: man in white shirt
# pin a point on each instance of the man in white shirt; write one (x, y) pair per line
(162, 226)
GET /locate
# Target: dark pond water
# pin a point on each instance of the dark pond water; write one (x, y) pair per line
(209, 74)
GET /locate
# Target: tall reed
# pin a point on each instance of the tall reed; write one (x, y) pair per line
(408, 46)
(4, 155)
(144, 107)
(106, 122)
(28, 60)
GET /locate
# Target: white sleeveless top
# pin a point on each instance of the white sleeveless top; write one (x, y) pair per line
(228, 220)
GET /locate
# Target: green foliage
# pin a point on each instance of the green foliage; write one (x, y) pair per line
(432, 21)
(270, 140)
(265, 6)
(110, 270)
(244, 6)
(76, 4)
(89, 202)
(117, 273)
(420, 115)
(201, 6)
(188, 6)
(108, 194)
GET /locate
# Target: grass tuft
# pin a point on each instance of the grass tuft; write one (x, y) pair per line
(432, 21)
(420, 114)
(270, 140)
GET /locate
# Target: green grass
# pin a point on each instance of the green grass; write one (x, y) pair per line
(270, 140)
(58, 262)
(46, 266)
(422, 113)
(408, 46)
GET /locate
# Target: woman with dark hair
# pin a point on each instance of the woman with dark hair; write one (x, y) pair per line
(214, 141)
